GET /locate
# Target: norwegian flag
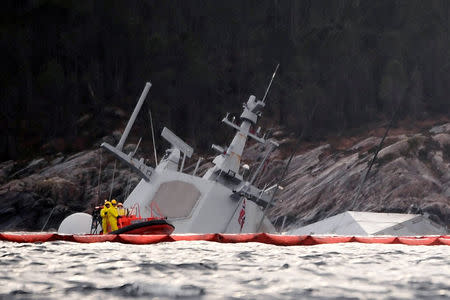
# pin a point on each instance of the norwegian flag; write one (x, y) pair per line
(241, 219)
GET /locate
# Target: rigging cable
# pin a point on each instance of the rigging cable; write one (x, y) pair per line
(380, 145)
(153, 137)
(127, 192)
(48, 218)
(308, 124)
(112, 182)
(99, 176)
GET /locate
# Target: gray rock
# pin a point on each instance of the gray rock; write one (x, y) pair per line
(442, 138)
(106, 139)
(5, 170)
(32, 167)
(71, 185)
(129, 148)
(57, 160)
(367, 143)
(117, 134)
(441, 129)
(322, 183)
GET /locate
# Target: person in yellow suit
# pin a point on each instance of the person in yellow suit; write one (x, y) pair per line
(112, 215)
(104, 215)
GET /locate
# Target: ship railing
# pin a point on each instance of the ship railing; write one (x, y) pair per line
(154, 209)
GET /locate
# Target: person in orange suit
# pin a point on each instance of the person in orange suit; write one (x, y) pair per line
(122, 211)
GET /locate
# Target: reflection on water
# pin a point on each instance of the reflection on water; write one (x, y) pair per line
(216, 271)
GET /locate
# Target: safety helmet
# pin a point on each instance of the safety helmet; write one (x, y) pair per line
(119, 204)
(107, 203)
(113, 202)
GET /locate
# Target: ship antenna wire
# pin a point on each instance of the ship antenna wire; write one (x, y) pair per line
(99, 176)
(270, 83)
(380, 145)
(48, 218)
(153, 137)
(287, 165)
(275, 191)
(127, 193)
(112, 182)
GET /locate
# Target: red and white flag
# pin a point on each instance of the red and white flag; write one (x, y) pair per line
(241, 219)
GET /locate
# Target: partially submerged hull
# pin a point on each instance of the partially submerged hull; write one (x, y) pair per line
(196, 205)
(221, 201)
(370, 223)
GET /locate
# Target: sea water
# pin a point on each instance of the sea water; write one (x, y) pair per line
(209, 270)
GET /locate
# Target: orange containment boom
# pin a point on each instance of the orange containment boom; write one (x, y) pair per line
(273, 239)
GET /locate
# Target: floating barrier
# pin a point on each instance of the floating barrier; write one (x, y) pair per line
(445, 240)
(29, 238)
(431, 240)
(92, 238)
(273, 239)
(331, 239)
(209, 237)
(144, 239)
(377, 239)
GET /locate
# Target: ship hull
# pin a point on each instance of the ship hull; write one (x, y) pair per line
(196, 205)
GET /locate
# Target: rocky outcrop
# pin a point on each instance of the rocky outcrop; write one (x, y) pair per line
(412, 171)
(46, 190)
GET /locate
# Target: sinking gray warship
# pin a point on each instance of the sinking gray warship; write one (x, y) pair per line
(221, 201)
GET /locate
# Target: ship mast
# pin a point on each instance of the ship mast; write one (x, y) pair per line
(229, 160)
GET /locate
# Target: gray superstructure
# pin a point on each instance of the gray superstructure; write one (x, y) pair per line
(221, 201)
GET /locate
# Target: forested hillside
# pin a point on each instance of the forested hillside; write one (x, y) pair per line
(71, 71)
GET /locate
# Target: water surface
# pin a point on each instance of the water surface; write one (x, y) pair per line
(208, 270)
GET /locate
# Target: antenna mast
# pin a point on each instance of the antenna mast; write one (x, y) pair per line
(270, 83)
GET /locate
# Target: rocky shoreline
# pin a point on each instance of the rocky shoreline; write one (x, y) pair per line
(412, 171)
(410, 175)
